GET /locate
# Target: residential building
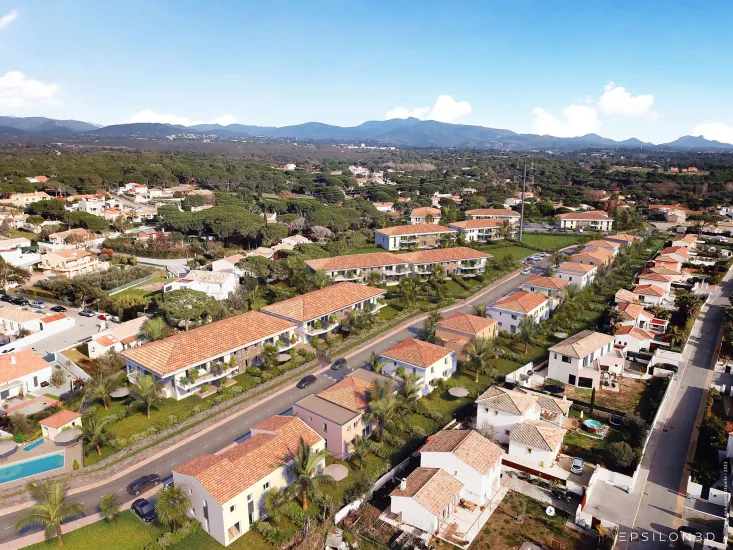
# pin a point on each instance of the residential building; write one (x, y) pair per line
(336, 413)
(61, 421)
(580, 275)
(552, 287)
(688, 241)
(622, 238)
(479, 230)
(402, 237)
(469, 457)
(117, 338)
(680, 253)
(535, 443)
(673, 274)
(426, 497)
(23, 200)
(227, 490)
(598, 257)
(71, 238)
(263, 252)
(209, 354)
(424, 215)
(217, 284)
(321, 311)
(651, 295)
(513, 308)
(22, 373)
(624, 296)
(634, 339)
(135, 189)
(594, 220)
(70, 263)
(499, 410)
(289, 243)
(14, 320)
(383, 206)
(229, 265)
(355, 268)
(37, 179)
(670, 261)
(574, 361)
(458, 329)
(493, 214)
(457, 260)
(656, 279)
(7, 245)
(634, 315)
(428, 361)
(604, 244)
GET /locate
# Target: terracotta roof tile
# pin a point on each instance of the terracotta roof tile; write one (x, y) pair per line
(60, 419)
(591, 215)
(425, 211)
(53, 318)
(538, 434)
(627, 296)
(437, 255)
(650, 290)
(512, 402)
(547, 282)
(655, 277)
(469, 446)
(482, 223)
(416, 352)
(607, 245)
(632, 311)
(582, 344)
(350, 393)
(635, 332)
(471, 324)
(26, 362)
(502, 212)
(356, 261)
(575, 267)
(520, 302)
(416, 229)
(623, 237)
(19, 315)
(434, 488)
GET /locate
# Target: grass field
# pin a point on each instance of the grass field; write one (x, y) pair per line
(140, 290)
(516, 252)
(550, 243)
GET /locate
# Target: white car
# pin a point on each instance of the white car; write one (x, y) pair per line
(526, 271)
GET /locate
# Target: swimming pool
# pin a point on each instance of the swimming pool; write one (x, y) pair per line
(32, 466)
(34, 444)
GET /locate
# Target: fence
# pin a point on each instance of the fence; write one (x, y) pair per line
(341, 514)
(131, 284)
(382, 481)
(70, 366)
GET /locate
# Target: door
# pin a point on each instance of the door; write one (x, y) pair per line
(571, 379)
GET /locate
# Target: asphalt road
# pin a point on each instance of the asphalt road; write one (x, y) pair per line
(240, 425)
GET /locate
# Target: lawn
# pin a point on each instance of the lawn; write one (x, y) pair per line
(129, 534)
(141, 289)
(550, 243)
(534, 353)
(591, 449)
(516, 252)
(627, 400)
(387, 313)
(17, 234)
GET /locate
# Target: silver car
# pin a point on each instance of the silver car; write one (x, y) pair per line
(576, 465)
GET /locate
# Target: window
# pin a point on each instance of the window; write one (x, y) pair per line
(514, 317)
(266, 486)
(565, 359)
(232, 508)
(310, 419)
(571, 379)
(496, 413)
(325, 428)
(249, 497)
(206, 510)
(507, 432)
(529, 451)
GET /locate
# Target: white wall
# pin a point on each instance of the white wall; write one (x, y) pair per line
(478, 488)
(413, 513)
(384, 241)
(630, 343)
(538, 457)
(443, 368)
(581, 280)
(30, 382)
(51, 433)
(502, 421)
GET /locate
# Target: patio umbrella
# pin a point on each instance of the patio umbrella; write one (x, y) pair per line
(67, 436)
(458, 391)
(7, 448)
(282, 357)
(336, 471)
(561, 334)
(119, 393)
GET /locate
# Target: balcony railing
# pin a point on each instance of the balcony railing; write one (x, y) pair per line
(312, 331)
(203, 377)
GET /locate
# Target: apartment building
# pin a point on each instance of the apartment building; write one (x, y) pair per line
(493, 214)
(407, 237)
(580, 275)
(70, 263)
(424, 215)
(594, 220)
(480, 230)
(459, 260)
(355, 268)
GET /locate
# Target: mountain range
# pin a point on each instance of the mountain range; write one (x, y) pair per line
(408, 132)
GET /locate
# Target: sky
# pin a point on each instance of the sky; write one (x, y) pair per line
(654, 70)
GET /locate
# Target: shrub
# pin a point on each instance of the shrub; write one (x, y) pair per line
(76, 464)
(417, 431)
(236, 390)
(393, 440)
(620, 455)
(638, 430)
(266, 376)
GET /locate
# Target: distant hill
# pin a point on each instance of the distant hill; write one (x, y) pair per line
(46, 125)
(697, 142)
(140, 129)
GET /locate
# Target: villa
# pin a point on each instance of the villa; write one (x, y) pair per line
(599, 257)
(117, 338)
(425, 215)
(479, 230)
(21, 373)
(70, 263)
(633, 338)
(603, 244)
(493, 214)
(688, 241)
(552, 287)
(623, 238)
(428, 361)
(229, 265)
(217, 284)
(594, 220)
(407, 237)
(458, 329)
(515, 307)
(578, 360)
(580, 275)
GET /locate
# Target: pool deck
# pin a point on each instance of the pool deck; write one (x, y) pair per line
(48, 447)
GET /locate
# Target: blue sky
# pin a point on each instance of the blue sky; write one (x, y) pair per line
(653, 70)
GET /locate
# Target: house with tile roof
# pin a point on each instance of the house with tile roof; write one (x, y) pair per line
(623, 238)
(23, 200)
(458, 329)
(356, 267)
(624, 296)
(321, 311)
(651, 294)
(117, 338)
(21, 373)
(424, 214)
(58, 422)
(457, 260)
(428, 361)
(227, 490)
(336, 413)
(470, 458)
(220, 285)
(408, 237)
(210, 354)
(670, 261)
(673, 274)
(575, 360)
(604, 244)
(70, 263)
(229, 265)
(499, 409)
(599, 257)
(481, 230)
(425, 498)
(688, 241)
(593, 220)
(383, 206)
(634, 315)
(648, 277)
(552, 287)
(634, 339)
(535, 443)
(580, 275)
(510, 310)
(493, 214)
(14, 320)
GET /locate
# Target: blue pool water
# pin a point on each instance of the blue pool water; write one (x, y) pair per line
(34, 444)
(32, 466)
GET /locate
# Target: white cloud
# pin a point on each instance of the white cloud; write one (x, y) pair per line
(714, 130)
(617, 100)
(446, 109)
(576, 120)
(17, 90)
(224, 120)
(148, 115)
(8, 18)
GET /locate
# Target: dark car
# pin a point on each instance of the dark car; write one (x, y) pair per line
(87, 313)
(144, 510)
(142, 484)
(19, 301)
(339, 364)
(667, 366)
(59, 309)
(6, 298)
(307, 381)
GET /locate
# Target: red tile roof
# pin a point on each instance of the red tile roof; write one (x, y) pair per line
(547, 282)
(438, 255)
(635, 332)
(351, 393)
(650, 290)
(521, 302)
(469, 446)
(592, 215)
(576, 267)
(355, 261)
(60, 419)
(471, 324)
(416, 229)
(482, 223)
(631, 311)
(504, 212)
(20, 363)
(416, 352)
(425, 211)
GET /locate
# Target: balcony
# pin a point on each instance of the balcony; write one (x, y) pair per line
(284, 343)
(310, 330)
(348, 276)
(185, 383)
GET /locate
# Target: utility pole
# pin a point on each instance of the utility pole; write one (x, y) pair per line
(521, 215)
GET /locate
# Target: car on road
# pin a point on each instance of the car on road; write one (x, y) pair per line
(102, 316)
(144, 510)
(59, 309)
(339, 364)
(87, 313)
(526, 271)
(142, 484)
(307, 381)
(576, 465)
(19, 301)
(6, 298)
(39, 304)
(113, 318)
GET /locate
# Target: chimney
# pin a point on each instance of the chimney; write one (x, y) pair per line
(564, 398)
(403, 481)
(12, 359)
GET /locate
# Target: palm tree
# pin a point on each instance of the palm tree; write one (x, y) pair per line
(109, 506)
(376, 363)
(675, 333)
(173, 503)
(410, 392)
(146, 392)
(273, 503)
(253, 294)
(406, 290)
(504, 229)
(385, 413)
(100, 387)
(480, 351)
(51, 508)
(155, 329)
(95, 432)
(303, 467)
(360, 447)
(320, 280)
(480, 310)
(527, 330)
(431, 325)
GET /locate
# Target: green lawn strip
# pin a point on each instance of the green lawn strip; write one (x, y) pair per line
(365, 250)
(129, 534)
(19, 233)
(550, 243)
(138, 290)
(499, 252)
(591, 449)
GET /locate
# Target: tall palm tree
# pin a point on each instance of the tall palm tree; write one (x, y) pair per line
(109, 506)
(431, 325)
(480, 310)
(155, 329)
(320, 280)
(146, 392)
(361, 446)
(527, 331)
(410, 392)
(406, 290)
(273, 503)
(173, 504)
(303, 467)
(51, 509)
(100, 388)
(675, 333)
(384, 413)
(95, 433)
(480, 351)
(376, 363)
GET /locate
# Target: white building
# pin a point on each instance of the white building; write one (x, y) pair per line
(535, 443)
(688, 241)
(574, 361)
(656, 279)
(289, 243)
(59, 422)
(634, 315)
(227, 490)
(513, 308)
(14, 320)
(424, 214)
(383, 206)
(580, 275)
(552, 287)
(493, 214)
(635, 339)
(22, 373)
(428, 361)
(117, 338)
(479, 230)
(407, 237)
(229, 265)
(595, 220)
(217, 284)
(650, 295)
(356, 267)
(470, 458)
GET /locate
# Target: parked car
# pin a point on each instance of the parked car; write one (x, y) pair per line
(113, 318)
(667, 366)
(39, 304)
(144, 510)
(6, 298)
(87, 313)
(339, 364)
(307, 381)
(576, 465)
(19, 301)
(102, 316)
(142, 484)
(526, 271)
(59, 309)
